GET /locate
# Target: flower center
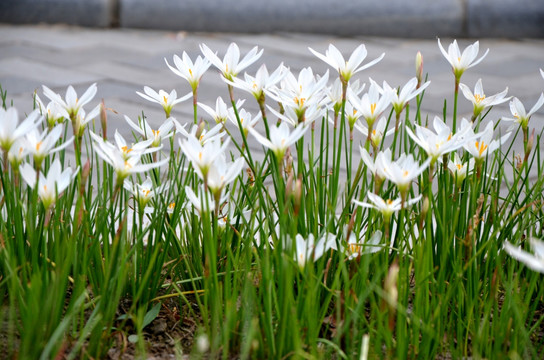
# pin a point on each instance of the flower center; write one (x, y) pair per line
(146, 192)
(459, 166)
(165, 99)
(155, 132)
(372, 108)
(405, 173)
(389, 201)
(299, 102)
(191, 72)
(38, 145)
(172, 205)
(126, 149)
(479, 98)
(481, 147)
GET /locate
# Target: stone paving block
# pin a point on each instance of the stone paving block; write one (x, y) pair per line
(85, 13)
(505, 18)
(339, 17)
(44, 73)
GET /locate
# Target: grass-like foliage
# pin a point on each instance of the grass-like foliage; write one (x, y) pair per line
(361, 228)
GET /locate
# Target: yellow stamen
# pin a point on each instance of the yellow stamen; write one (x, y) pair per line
(172, 205)
(449, 137)
(126, 149)
(459, 166)
(405, 174)
(481, 147)
(165, 99)
(200, 156)
(191, 72)
(146, 192)
(372, 108)
(127, 165)
(389, 201)
(479, 98)
(38, 145)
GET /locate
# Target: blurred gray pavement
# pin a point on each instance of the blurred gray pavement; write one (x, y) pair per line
(122, 61)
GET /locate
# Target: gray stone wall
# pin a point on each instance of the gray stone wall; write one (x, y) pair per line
(398, 18)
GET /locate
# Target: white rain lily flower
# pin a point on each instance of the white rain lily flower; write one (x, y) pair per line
(480, 148)
(53, 112)
(50, 186)
(534, 262)
(386, 207)
(441, 141)
(18, 152)
(310, 115)
(373, 103)
(377, 171)
(201, 155)
(215, 133)
(351, 114)
(11, 130)
(302, 92)
(407, 93)
(163, 132)
(346, 68)
(124, 160)
(402, 171)
(233, 217)
(221, 111)
(246, 120)
(73, 103)
(459, 170)
(460, 62)
(479, 100)
(520, 115)
(222, 173)
(309, 249)
(378, 133)
(82, 119)
(355, 249)
(145, 191)
(261, 82)
(202, 202)
(41, 144)
(231, 65)
(166, 100)
(121, 145)
(280, 138)
(334, 92)
(192, 72)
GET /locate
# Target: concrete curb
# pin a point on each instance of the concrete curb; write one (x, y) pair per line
(394, 18)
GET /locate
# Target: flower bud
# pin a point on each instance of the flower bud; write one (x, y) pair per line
(297, 195)
(530, 143)
(104, 120)
(419, 68)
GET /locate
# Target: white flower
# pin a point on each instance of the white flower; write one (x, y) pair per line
(202, 202)
(335, 92)
(72, 104)
(280, 138)
(309, 249)
(402, 171)
(148, 133)
(378, 133)
(310, 114)
(145, 191)
(373, 103)
(461, 62)
(302, 92)
(459, 170)
(18, 152)
(534, 262)
(386, 207)
(355, 249)
(201, 155)
(192, 72)
(166, 100)
(407, 93)
(10, 131)
(51, 186)
(82, 119)
(53, 112)
(480, 148)
(262, 81)
(371, 164)
(348, 68)
(222, 173)
(124, 160)
(246, 120)
(439, 142)
(478, 98)
(520, 115)
(41, 144)
(221, 112)
(231, 65)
